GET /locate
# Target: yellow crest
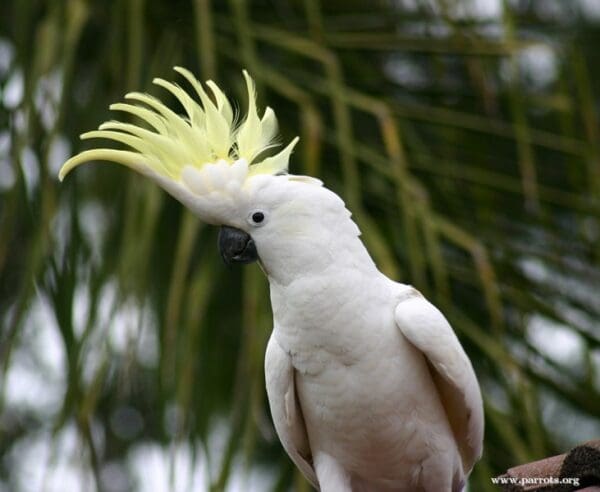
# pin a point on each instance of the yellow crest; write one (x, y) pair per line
(207, 134)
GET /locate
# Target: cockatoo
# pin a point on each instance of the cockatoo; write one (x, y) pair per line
(368, 385)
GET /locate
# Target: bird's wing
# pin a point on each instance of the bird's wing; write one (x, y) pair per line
(427, 329)
(285, 409)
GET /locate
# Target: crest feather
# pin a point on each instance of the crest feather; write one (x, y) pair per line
(205, 135)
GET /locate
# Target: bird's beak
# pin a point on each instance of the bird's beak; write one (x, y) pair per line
(236, 246)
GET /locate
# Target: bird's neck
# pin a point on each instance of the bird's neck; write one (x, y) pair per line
(317, 259)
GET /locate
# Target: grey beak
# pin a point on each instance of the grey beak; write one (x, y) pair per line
(236, 246)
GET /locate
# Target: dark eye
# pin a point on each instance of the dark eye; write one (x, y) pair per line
(258, 217)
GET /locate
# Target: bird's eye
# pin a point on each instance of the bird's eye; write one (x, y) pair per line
(257, 218)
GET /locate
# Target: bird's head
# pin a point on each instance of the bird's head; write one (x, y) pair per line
(220, 169)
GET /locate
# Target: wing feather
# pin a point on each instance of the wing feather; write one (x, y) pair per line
(427, 329)
(286, 410)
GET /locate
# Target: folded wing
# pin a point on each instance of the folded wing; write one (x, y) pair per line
(285, 409)
(427, 329)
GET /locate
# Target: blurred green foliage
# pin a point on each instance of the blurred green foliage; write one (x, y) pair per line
(463, 135)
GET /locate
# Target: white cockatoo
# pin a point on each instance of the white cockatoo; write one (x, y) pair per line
(369, 387)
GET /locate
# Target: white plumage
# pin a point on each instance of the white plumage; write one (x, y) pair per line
(369, 388)
(368, 385)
